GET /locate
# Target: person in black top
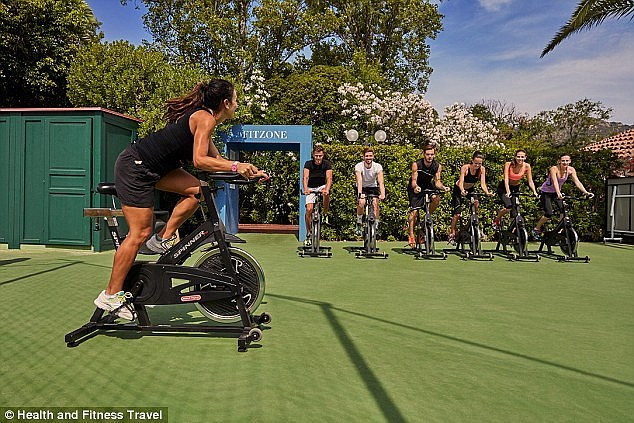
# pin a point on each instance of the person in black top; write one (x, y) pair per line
(155, 162)
(317, 177)
(470, 173)
(425, 175)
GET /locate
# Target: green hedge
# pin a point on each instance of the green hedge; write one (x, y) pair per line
(278, 202)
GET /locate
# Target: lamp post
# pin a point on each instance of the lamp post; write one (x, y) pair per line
(352, 135)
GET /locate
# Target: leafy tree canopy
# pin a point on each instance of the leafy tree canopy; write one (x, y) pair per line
(234, 37)
(38, 40)
(132, 80)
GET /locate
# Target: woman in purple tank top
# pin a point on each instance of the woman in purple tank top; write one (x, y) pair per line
(551, 190)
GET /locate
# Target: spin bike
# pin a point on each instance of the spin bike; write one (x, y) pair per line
(424, 228)
(515, 235)
(564, 235)
(226, 284)
(369, 230)
(470, 234)
(315, 249)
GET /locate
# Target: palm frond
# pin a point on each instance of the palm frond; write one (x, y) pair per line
(590, 13)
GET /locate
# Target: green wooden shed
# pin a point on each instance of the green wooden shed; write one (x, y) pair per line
(50, 162)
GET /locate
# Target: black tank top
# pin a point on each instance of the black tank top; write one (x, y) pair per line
(472, 179)
(168, 148)
(426, 174)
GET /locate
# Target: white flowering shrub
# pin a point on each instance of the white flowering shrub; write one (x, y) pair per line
(256, 98)
(406, 118)
(460, 128)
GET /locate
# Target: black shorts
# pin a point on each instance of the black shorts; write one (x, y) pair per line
(456, 198)
(501, 192)
(547, 199)
(371, 190)
(134, 182)
(417, 200)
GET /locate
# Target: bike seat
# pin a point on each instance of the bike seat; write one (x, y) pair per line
(107, 188)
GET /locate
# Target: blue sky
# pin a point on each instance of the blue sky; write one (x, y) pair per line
(489, 50)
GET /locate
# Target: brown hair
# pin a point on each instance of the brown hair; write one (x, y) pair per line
(521, 150)
(368, 150)
(206, 94)
(429, 146)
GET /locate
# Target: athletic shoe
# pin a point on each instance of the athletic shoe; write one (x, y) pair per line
(325, 220)
(307, 241)
(496, 225)
(115, 304)
(451, 240)
(358, 229)
(411, 241)
(537, 234)
(158, 245)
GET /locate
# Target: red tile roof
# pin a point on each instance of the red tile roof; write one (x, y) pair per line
(622, 144)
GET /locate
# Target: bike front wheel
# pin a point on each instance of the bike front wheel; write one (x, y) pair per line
(569, 250)
(250, 277)
(521, 241)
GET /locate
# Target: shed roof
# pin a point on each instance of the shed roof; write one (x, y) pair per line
(68, 109)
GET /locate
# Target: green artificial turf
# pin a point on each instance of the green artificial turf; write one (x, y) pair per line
(351, 340)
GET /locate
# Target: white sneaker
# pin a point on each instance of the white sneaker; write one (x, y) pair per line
(159, 245)
(307, 242)
(116, 303)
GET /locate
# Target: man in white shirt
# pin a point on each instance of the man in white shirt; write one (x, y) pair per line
(369, 181)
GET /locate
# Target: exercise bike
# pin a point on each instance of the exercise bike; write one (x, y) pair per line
(515, 235)
(370, 249)
(424, 229)
(315, 249)
(226, 284)
(470, 234)
(564, 235)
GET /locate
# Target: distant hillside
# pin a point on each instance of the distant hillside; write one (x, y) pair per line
(607, 129)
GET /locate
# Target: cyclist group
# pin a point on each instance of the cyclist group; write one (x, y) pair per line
(156, 162)
(426, 175)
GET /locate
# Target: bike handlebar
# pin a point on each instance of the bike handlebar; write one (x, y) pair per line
(522, 194)
(235, 178)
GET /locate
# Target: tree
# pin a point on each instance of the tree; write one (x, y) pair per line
(591, 13)
(131, 80)
(38, 40)
(235, 37)
(407, 118)
(570, 125)
(391, 33)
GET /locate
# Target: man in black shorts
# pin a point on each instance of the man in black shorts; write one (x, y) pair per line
(425, 175)
(317, 177)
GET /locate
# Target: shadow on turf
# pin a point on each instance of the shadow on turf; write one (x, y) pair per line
(71, 263)
(15, 260)
(385, 403)
(387, 406)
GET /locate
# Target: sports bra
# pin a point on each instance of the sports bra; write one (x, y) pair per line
(516, 176)
(472, 179)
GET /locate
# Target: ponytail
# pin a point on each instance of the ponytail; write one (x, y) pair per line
(208, 95)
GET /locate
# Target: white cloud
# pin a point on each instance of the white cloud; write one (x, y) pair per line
(493, 5)
(604, 76)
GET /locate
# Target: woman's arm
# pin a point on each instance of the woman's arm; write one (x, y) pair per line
(529, 176)
(463, 170)
(507, 167)
(483, 182)
(555, 181)
(206, 155)
(575, 179)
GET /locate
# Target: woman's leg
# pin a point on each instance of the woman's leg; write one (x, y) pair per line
(140, 223)
(188, 187)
